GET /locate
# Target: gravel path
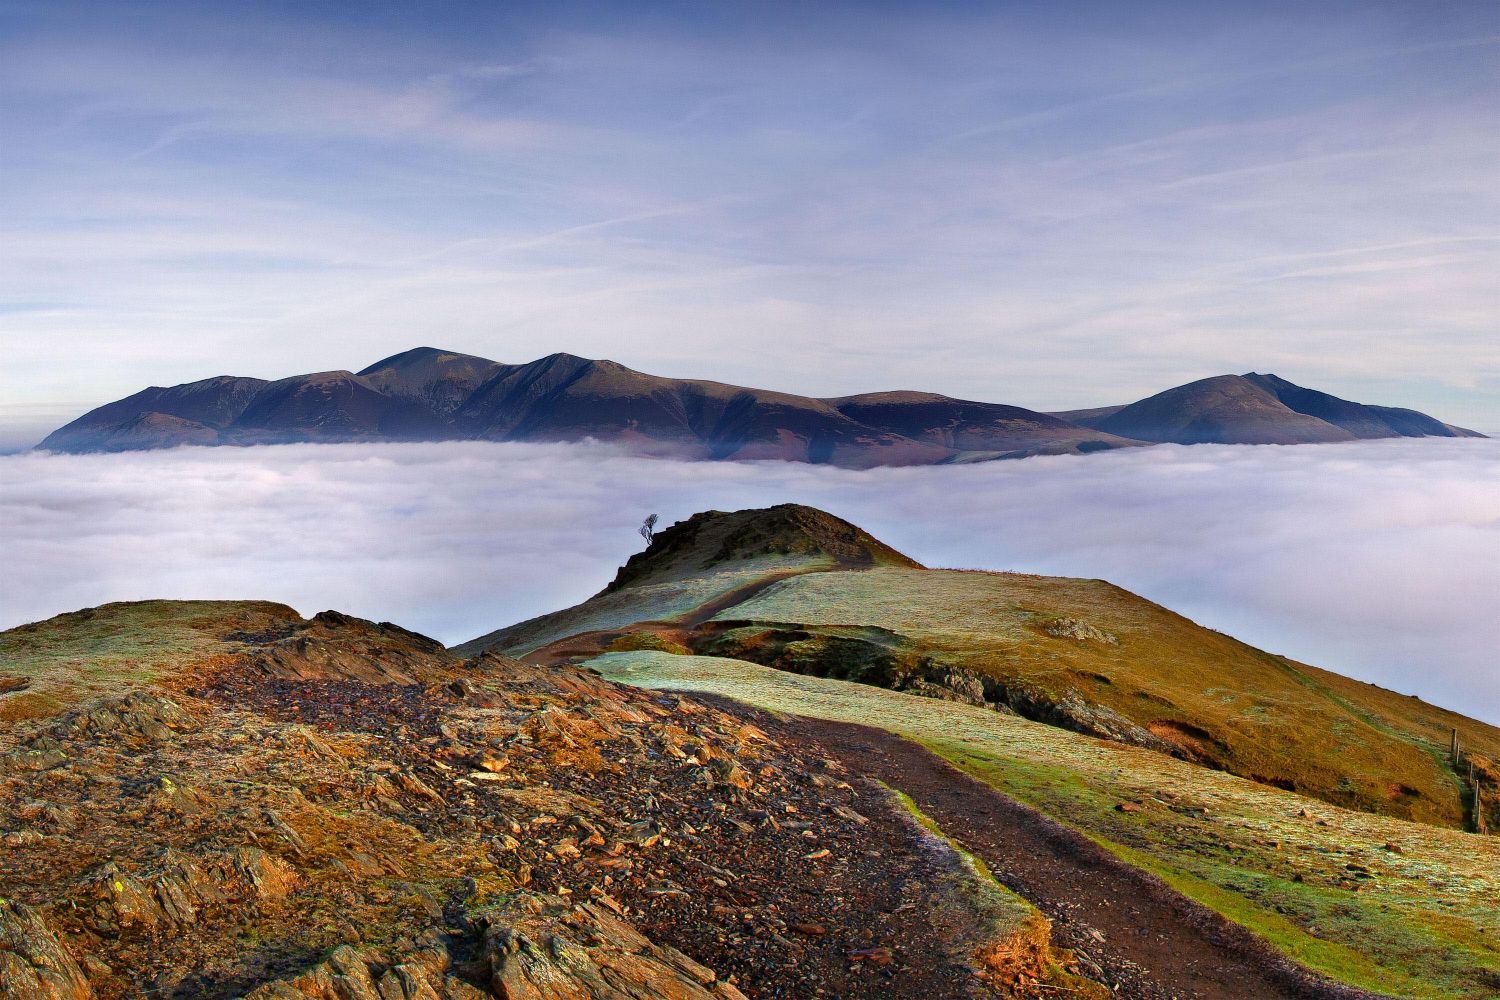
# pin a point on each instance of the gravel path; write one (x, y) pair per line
(1136, 933)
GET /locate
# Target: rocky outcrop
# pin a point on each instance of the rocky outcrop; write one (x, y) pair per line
(33, 964)
(535, 948)
(173, 893)
(1072, 628)
(1071, 711)
(140, 715)
(338, 646)
(492, 829)
(351, 973)
(585, 952)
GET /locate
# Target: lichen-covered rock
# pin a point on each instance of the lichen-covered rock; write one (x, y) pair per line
(31, 759)
(583, 952)
(169, 896)
(33, 964)
(142, 715)
(351, 973)
(1072, 628)
(535, 948)
(965, 685)
(1072, 711)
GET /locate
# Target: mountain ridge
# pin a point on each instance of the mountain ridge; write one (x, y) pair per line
(428, 394)
(800, 589)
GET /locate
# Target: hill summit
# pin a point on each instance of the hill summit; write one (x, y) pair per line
(710, 539)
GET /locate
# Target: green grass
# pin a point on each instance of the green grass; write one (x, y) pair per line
(108, 649)
(1013, 940)
(1005, 913)
(1231, 705)
(1426, 925)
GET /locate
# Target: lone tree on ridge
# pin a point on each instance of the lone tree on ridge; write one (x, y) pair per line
(648, 528)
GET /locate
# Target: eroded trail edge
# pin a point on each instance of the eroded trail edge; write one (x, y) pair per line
(1144, 938)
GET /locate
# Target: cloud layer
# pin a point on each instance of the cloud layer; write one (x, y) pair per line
(1379, 559)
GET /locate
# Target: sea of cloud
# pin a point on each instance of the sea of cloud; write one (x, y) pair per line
(1378, 559)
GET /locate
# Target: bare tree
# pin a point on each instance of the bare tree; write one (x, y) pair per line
(648, 528)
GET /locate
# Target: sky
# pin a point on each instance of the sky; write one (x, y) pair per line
(1051, 205)
(1376, 559)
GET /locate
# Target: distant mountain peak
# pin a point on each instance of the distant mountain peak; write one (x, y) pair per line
(423, 356)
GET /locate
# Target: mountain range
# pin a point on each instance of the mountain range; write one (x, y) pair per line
(427, 394)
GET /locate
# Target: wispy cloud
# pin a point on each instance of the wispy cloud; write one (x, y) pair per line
(1374, 559)
(769, 196)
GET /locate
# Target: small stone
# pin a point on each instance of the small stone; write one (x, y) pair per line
(844, 812)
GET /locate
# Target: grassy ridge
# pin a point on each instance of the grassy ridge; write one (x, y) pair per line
(1221, 701)
(1389, 905)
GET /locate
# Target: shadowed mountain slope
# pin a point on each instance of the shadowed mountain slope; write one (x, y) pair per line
(426, 394)
(331, 406)
(969, 426)
(197, 412)
(1080, 654)
(567, 398)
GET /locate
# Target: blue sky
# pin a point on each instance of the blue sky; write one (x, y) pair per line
(1052, 205)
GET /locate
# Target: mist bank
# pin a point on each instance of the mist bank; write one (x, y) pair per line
(1376, 559)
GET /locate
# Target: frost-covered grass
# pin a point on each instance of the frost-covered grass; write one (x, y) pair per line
(1400, 907)
(1248, 711)
(103, 650)
(667, 601)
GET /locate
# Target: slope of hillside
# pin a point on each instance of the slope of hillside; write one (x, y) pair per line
(1079, 654)
(426, 394)
(215, 799)
(1357, 418)
(1402, 908)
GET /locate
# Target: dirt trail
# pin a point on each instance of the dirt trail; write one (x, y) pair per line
(738, 595)
(583, 645)
(1146, 940)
